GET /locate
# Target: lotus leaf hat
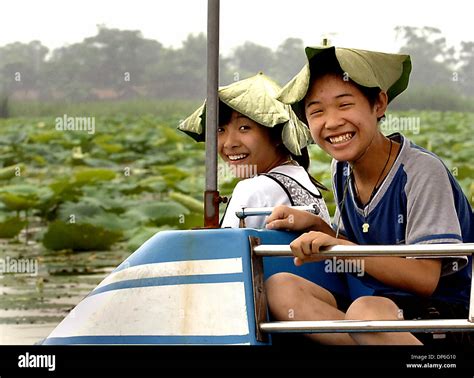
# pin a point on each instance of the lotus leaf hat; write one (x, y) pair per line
(255, 98)
(389, 72)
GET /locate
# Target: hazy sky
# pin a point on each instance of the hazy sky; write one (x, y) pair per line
(365, 24)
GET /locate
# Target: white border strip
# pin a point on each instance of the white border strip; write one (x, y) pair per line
(176, 310)
(176, 268)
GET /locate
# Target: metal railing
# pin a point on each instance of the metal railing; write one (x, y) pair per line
(255, 211)
(410, 250)
(334, 326)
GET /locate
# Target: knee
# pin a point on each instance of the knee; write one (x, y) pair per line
(282, 289)
(372, 308)
(281, 283)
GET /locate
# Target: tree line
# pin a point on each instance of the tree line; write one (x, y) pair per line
(122, 64)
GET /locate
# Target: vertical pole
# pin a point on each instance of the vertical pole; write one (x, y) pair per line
(211, 196)
(471, 299)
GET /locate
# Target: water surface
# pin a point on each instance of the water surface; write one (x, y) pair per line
(31, 305)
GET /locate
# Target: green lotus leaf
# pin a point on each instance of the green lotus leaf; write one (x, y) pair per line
(191, 221)
(191, 184)
(25, 190)
(157, 183)
(15, 138)
(24, 196)
(172, 174)
(11, 227)
(65, 190)
(188, 201)
(111, 148)
(79, 212)
(171, 135)
(12, 171)
(39, 160)
(131, 188)
(226, 187)
(158, 213)
(157, 158)
(101, 199)
(99, 163)
(103, 138)
(47, 136)
(111, 222)
(140, 235)
(92, 175)
(464, 171)
(79, 237)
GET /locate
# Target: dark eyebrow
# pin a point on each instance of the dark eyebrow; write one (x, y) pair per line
(344, 95)
(338, 96)
(312, 103)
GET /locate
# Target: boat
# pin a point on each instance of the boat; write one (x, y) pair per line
(206, 287)
(185, 287)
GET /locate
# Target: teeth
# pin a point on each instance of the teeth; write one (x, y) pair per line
(341, 138)
(237, 157)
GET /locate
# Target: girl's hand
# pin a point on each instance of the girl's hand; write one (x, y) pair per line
(289, 219)
(306, 248)
(286, 218)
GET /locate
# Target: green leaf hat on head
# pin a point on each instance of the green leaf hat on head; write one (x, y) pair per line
(255, 98)
(389, 72)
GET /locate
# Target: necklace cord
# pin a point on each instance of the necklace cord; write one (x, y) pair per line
(380, 176)
(346, 186)
(341, 203)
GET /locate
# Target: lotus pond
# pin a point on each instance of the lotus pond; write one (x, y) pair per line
(77, 203)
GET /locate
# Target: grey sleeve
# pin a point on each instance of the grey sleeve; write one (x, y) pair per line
(431, 213)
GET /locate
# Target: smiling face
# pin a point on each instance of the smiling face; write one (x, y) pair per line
(244, 144)
(341, 119)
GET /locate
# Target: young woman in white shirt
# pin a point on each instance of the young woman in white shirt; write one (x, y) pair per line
(264, 144)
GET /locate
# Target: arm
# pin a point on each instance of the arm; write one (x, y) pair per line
(419, 276)
(431, 217)
(286, 218)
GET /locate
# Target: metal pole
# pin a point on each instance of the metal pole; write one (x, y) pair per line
(211, 196)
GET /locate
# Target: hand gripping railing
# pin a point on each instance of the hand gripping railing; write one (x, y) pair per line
(255, 211)
(333, 326)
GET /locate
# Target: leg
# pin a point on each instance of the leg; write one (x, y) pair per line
(378, 308)
(291, 297)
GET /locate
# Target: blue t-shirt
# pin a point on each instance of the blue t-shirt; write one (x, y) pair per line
(418, 202)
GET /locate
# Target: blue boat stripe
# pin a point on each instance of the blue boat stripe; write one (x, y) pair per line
(438, 236)
(137, 339)
(171, 280)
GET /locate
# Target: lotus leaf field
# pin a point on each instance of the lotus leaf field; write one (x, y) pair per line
(103, 194)
(136, 175)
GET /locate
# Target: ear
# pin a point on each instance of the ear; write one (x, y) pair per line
(381, 104)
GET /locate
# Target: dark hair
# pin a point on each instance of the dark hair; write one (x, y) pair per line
(327, 64)
(225, 113)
